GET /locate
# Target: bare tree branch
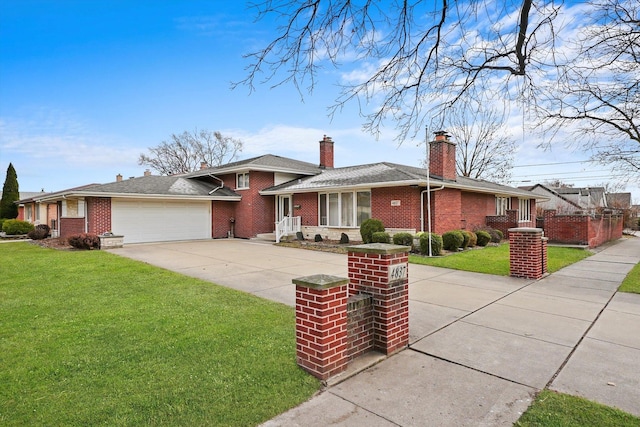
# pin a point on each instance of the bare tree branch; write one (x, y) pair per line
(185, 152)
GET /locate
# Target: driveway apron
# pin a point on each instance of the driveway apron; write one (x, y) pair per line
(481, 346)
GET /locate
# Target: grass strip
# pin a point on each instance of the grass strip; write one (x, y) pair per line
(551, 409)
(631, 283)
(495, 259)
(92, 338)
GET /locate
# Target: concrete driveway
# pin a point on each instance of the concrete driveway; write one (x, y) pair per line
(481, 346)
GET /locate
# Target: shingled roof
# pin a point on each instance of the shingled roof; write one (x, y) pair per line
(267, 162)
(175, 186)
(385, 174)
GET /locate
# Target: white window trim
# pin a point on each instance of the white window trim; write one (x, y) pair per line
(524, 215)
(499, 204)
(354, 208)
(245, 179)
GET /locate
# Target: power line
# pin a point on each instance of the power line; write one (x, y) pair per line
(551, 164)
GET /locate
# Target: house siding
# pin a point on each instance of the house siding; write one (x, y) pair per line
(308, 211)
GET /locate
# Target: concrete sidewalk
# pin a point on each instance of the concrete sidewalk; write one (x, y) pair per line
(481, 345)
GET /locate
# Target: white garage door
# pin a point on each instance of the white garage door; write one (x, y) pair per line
(159, 221)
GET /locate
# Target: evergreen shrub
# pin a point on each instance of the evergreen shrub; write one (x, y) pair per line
(380, 237)
(473, 239)
(436, 244)
(483, 237)
(452, 240)
(15, 227)
(368, 227)
(403, 239)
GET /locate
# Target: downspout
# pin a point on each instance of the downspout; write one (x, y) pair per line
(218, 187)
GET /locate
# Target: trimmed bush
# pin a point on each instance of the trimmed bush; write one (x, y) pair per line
(496, 235)
(344, 238)
(380, 237)
(473, 239)
(41, 231)
(483, 237)
(403, 239)
(452, 240)
(500, 235)
(84, 241)
(2, 220)
(15, 227)
(436, 244)
(368, 227)
(465, 239)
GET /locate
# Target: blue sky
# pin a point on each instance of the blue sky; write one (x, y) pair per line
(86, 86)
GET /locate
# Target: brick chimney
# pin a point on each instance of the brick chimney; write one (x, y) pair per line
(147, 172)
(118, 178)
(203, 165)
(442, 157)
(326, 152)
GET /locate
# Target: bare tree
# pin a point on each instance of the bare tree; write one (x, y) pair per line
(185, 152)
(598, 89)
(420, 58)
(485, 148)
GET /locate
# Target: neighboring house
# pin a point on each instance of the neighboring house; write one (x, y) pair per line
(33, 213)
(569, 200)
(248, 197)
(619, 201)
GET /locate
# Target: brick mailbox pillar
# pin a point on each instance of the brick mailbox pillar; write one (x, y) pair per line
(527, 253)
(321, 324)
(381, 270)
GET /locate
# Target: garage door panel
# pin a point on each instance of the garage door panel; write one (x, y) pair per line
(157, 221)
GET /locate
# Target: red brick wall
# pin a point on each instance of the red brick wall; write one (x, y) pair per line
(407, 215)
(255, 213)
(446, 209)
(20, 216)
(221, 212)
(98, 214)
(475, 208)
(582, 229)
(71, 226)
(308, 211)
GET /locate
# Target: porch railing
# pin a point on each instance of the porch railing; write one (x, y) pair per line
(288, 225)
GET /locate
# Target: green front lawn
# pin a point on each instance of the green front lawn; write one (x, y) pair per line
(551, 409)
(631, 283)
(91, 338)
(495, 259)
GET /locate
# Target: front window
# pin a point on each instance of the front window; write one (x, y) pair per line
(502, 205)
(346, 209)
(28, 212)
(524, 210)
(242, 180)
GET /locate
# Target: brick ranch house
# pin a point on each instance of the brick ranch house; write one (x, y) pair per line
(249, 197)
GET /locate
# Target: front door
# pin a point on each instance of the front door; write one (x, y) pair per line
(284, 207)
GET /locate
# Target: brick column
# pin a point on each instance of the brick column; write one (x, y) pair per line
(381, 270)
(321, 324)
(527, 253)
